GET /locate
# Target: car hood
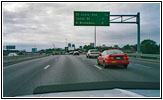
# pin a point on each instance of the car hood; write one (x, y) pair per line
(102, 93)
(98, 89)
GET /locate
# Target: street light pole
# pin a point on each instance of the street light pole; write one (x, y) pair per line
(66, 41)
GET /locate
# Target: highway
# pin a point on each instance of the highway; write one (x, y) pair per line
(22, 78)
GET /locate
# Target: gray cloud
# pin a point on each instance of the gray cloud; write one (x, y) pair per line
(44, 23)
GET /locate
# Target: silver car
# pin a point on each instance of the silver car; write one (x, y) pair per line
(92, 53)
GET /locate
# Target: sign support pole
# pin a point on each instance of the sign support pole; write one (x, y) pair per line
(138, 32)
(95, 38)
(125, 21)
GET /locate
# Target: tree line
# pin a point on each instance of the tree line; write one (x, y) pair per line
(147, 47)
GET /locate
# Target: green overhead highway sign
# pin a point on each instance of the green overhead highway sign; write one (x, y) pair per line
(10, 47)
(86, 18)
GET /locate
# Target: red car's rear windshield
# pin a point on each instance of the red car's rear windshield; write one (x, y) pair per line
(114, 52)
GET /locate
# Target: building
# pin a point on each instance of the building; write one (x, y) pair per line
(34, 50)
(71, 48)
(103, 45)
(66, 48)
(73, 45)
(69, 44)
(80, 47)
(92, 44)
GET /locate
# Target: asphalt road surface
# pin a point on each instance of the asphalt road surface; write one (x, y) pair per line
(22, 78)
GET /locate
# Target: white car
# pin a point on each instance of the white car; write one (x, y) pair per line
(93, 53)
(76, 53)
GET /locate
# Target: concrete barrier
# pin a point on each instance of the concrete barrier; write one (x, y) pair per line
(9, 60)
(137, 55)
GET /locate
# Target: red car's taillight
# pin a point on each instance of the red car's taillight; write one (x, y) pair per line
(125, 57)
(110, 58)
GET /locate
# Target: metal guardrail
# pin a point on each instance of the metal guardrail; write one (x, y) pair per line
(157, 56)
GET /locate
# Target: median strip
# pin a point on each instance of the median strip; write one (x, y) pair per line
(47, 67)
(98, 67)
(10, 60)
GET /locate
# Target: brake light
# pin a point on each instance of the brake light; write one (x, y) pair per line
(95, 53)
(110, 58)
(125, 57)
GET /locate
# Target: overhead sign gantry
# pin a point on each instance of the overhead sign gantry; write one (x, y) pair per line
(89, 18)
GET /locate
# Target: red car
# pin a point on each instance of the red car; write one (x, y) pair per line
(113, 57)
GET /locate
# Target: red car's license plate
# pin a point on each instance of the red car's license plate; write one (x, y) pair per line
(113, 62)
(118, 58)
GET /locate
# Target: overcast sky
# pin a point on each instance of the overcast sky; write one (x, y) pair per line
(40, 25)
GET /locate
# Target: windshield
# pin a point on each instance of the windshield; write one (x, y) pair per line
(47, 44)
(114, 52)
(94, 51)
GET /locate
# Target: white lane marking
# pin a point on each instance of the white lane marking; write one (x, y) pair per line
(47, 67)
(143, 66)
(98, 67)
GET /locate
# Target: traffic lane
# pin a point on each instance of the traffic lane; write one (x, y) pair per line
(66, 70)
(17, 70)
(17, 75)
(135, 62)
(69, 70)
(152, 64)
(134, 72)
(151, 67)
(73, 69)
(147, 63)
